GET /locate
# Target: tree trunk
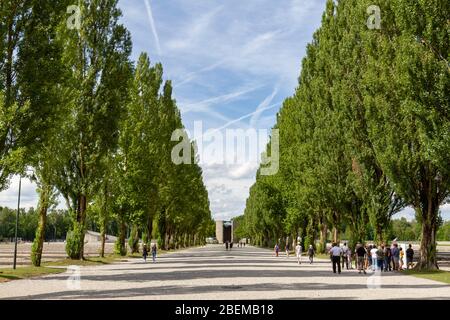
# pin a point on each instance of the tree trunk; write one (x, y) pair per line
(335, 235)
(379, 234)
(134, 239)
(121, 248)
(150, 228)
(81, 218)
(323, 237)
(38, 244)
(166, 240)
(103, 236)
(427, 259)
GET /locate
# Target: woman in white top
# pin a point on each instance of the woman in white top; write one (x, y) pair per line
(373, 253)
(298, 251)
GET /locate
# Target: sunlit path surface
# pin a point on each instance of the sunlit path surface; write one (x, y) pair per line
(213, 273)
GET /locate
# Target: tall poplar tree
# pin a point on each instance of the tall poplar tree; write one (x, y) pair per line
(97, 54)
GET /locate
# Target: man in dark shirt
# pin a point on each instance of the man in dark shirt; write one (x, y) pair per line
(395, 256)
(361, 257)
(409, 256)
(387, 258)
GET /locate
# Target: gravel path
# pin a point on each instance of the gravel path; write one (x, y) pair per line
(212, 273)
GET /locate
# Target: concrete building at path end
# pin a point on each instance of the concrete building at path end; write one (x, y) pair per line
(224, 231)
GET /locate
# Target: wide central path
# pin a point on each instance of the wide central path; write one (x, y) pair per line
(212, 273)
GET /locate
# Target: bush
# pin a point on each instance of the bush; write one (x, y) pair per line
(75, 241)
(133, 241)
(120, 248)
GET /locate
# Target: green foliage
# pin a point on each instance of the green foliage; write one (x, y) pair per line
(75, 241)
(366, 132)
(133, 241)
(95, 128)
(443, 233)
(97, 63)
(404, 230)
(120, 248)
(35, 254)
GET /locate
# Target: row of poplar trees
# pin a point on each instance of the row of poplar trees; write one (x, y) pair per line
(367, 131)
(95, 127)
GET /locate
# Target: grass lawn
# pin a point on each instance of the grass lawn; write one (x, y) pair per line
(438, 275)
(26, 272)
(87, 262)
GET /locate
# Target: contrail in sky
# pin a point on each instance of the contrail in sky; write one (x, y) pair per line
(152, 25)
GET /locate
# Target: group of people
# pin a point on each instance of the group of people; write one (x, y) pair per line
(298, 252)
(381, 258)
(153, 250)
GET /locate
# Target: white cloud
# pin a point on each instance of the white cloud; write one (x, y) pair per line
(222, 99)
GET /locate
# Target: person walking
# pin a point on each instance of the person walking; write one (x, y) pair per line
(277, 249)
(144, 252)
(402, 254)
(154, 249)
(286, 248)
(387, 258)
(344, 255)
(349, 258)
(361, 256)
(380, 258)
(395, 254)
(409, 257)
(336, 253)
(298, 252)
(373, 254)
(226, 245)
(311, 254)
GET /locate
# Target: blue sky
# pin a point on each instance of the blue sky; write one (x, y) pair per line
(226, 60)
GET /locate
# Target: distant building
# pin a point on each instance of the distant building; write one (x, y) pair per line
(92, 237)
(224, 231)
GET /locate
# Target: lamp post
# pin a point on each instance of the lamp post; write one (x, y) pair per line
(17, 224)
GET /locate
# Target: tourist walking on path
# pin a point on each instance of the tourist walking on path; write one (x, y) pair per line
(409, 257)
(373, 254)
(144, 252)
(311, 254)
(395, 254)
(387, 258)
(361, 256)
(277, 249)
(344, 255)
(402, 255)
(349, 258)
(336, 253)
(287, 249)
(154, 252)
(380, 258)
(298, 252)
